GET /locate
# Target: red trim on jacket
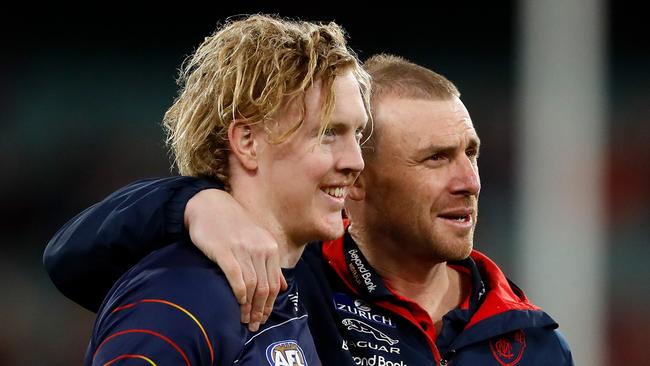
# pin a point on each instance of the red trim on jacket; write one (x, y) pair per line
(333, 253)
(500, 297)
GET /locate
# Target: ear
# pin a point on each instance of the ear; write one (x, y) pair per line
(358, 189)
(241, 136)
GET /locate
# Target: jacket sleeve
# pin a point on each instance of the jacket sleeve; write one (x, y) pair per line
(92, 250)
(564, 346)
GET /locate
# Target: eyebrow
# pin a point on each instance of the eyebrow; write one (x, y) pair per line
(474, 142)
(357, 123)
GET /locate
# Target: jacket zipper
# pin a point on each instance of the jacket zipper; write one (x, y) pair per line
(444, 360)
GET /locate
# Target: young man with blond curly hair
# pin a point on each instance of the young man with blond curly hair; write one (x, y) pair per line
(261, 99)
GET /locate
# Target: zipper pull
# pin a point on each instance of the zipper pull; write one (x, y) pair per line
(444, 361)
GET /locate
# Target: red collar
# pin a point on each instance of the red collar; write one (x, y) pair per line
(500, 296)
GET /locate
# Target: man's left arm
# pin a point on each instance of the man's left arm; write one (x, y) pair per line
(91, 251)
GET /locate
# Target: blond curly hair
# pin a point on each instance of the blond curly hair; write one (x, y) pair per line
(249, 69)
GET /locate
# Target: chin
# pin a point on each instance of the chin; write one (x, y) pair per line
(457, 252)
(466, 252)
(331, 230)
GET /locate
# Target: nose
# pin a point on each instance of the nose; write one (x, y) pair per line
(350, 159)
(466, 179)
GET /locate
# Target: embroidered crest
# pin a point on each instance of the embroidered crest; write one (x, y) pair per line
(509, 348)
(285, 353)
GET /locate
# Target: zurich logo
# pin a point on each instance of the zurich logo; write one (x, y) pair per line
(361, 305)
(357, 307)
(285, 353)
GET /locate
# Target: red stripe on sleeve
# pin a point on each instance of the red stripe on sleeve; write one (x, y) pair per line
(187, 361)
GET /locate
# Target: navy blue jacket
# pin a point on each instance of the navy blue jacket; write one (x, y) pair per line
(175, 307)
(354, 317)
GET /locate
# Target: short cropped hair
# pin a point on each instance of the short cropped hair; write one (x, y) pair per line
(394, 76)
(249, 69)
(398, 77)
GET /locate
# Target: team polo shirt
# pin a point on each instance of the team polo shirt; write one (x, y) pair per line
(175, 307)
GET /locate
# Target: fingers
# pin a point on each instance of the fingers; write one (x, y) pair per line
(247, 253)
(242, 279)
(284, 286)
(250, 278)
(274, 275)
(234, 274)
(261, 293)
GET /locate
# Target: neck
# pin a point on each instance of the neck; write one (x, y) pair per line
(432, 284)
(289, 250)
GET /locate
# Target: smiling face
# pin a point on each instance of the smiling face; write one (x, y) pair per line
(307, 177)
(422, 182)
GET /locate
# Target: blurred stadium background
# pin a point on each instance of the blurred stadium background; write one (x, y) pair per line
(82, 92)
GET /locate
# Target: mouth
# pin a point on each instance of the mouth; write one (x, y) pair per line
(460, 216)
(338, 192)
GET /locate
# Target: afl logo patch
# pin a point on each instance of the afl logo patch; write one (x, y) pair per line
(509, 348)
(285, 353)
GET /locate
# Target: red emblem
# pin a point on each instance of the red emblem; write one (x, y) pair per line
(509, 348)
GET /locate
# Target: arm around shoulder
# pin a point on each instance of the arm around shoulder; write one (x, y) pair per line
(92, 250)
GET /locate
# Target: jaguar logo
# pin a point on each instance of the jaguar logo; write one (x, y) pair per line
(359, 326)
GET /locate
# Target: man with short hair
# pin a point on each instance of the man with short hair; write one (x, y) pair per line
(403, 286)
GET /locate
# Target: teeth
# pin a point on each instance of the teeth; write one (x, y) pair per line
(335, 192)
